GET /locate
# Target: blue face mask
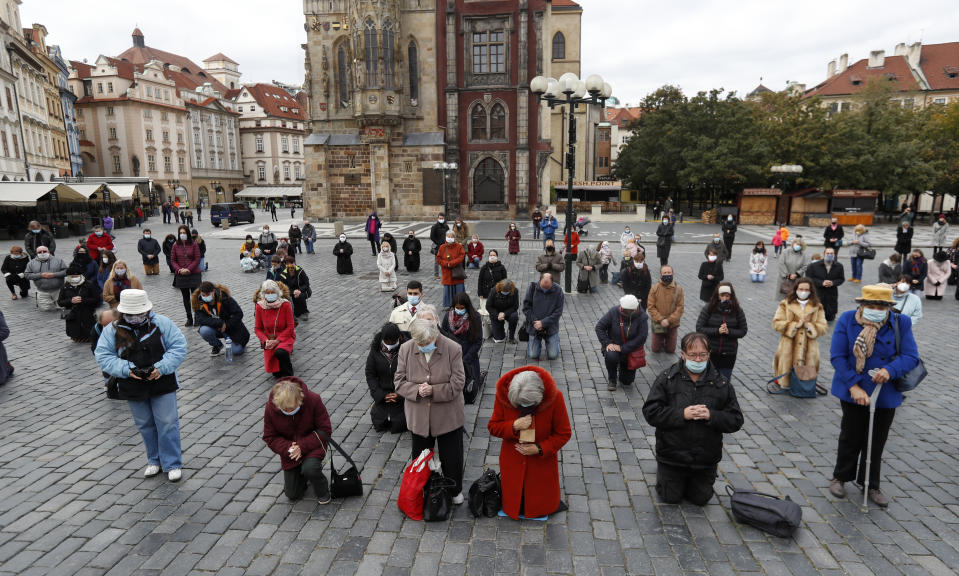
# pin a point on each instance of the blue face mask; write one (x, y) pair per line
(294, 411)
(797, 247)
(271, 297)
(460, 311)
(505, 293)
(37, 231)
(696, 367)
(829, 258)
(413, 300)
(207, 299)
(428, 348)
(875, 316)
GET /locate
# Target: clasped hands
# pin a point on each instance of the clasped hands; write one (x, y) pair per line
(696, 412)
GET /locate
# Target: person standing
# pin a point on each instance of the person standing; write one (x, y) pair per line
(865, 353)
(199, 211)
(14, 269)
(430, 378)
(668, 209)
(474, 252)
(275, 327)
(386, 263)
(292, 210)
(372, 230)
(143, 350)
(411, 252)
(711, 274)
(937, 276)
(723, 321)
(388, 410)
(6, 368)
(489, 276)
(666, 307)
(537, 218)
(779, 239)
(38, 236)
(463, 325)
(757, 263)
(185, 258)
(548, 226)
(904, 239)
(219, 316)
(343, 251)
(729, 235)
(108, 226)
(513, 237)
(691, 405)
(907, 303)
(139, 216)
(833, 235)
(860, 239)
(550, 261)
(890, 269)
(588, 262)
(449, 256)
(917, 268)
(273, 211)
(309, 236)
(543, 308)
(664, 240)
(626, 238)
(79, 297)
(940, 233)
(461, 231)
(793, 264)
(572, 239)
(502, 305)
(121, 278)
(621, 331)
(168, 243)
(800, 320)
(296, 237)
(438, 237)
(46, 271)
(827, 276)
(605, 258)
(907, 215)
(529, 402)
(636, 278)
(149, 250)
(201, 244)
(295, 278)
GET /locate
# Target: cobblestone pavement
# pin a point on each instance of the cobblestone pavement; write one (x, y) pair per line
(73, 500)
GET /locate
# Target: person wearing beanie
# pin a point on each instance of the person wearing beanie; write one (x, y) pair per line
(621, 331)
(387, 411)
(723, 321)
(79, 298)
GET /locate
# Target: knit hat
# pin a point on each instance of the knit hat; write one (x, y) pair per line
(629, 302)
(75, 269)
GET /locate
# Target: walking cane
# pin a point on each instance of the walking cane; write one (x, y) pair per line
(872, 415)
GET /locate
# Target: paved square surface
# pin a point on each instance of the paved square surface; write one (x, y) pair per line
(73, 500)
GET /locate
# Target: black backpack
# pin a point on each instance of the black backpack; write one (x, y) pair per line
(485, 495)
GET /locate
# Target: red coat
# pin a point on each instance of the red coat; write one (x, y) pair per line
(475, 250)
(574, 243)
(186, 255)
(513, 236)
(264, 321)
(537, 476)
(95, 243)
(450, 256)
(281, 431)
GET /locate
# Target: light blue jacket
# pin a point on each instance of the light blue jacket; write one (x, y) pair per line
(910, 305)
(173, 342)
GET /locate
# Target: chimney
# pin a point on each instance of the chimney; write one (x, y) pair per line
(843, 63)
(901, 49)
(831, 69)
(138, 41)
(877, 58)
(914, 54)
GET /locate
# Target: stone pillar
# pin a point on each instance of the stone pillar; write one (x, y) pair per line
(316, 186)
(380, 166)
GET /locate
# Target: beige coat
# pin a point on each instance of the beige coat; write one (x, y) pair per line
(660, 303)
(112, 300)
(444, 411)
(797, 346)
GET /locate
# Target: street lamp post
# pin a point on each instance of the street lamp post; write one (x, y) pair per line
(570, 91)
(446, 168)
(784, 170)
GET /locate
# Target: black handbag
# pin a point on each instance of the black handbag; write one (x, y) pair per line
(458, 272)
(911, 379)
(437, 498)
(771, 514)
(342, 484)
(582, 286)
(523, 334)
(486, 495)
(113, 390)
(866, 253)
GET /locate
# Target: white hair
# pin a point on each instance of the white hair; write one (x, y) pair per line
(526, 388)
(423, 331)
(427, 309)
(270, 285)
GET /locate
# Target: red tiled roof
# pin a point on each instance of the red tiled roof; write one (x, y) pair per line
(193, 76)
(221, 56)
(623, 116)
(893, 67)
(270, 98)
(938, 61)
(232, 94)
(82, 68)
(566, 3)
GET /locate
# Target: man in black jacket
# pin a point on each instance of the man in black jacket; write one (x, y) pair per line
(691, 406)
(826, 275)
(636, 278)
(833, 234)
(387, 412)
(729, 235)
(438, 237)
(219, 316)
(149, 249)
(621, 331)
(38, 236)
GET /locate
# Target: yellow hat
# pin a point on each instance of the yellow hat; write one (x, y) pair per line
(876, 294)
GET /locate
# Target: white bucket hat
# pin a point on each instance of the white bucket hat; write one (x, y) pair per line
(133, 301)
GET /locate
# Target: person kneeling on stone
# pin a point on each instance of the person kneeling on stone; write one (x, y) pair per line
(622, 330)
(219, 316)
(689, 437)
(387, 411)
(292, 423)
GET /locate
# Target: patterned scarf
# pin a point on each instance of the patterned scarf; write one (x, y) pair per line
(459, 324)
(917, 267)
(862, 349)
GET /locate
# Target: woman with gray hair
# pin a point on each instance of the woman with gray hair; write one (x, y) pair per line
(530, 416)
(430, 378)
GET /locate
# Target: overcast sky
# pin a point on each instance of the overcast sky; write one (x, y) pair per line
(636, 45)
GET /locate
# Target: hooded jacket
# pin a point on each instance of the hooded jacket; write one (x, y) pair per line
(380, 370)
(223, 310)
(281, 431)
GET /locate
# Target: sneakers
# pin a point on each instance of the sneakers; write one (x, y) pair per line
(495, 341)
(837, 488)
(458, 499)
(325, 497)
(174, 475)
(878, 498)
(611, 385)
(216, 351)
(151, 471)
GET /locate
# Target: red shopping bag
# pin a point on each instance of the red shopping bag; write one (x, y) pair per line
(410, 500)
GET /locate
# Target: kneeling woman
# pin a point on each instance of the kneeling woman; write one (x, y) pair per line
(293, 416)
(689, 437)
(530, 416)
(387, 411)
(273, 324)
(142, 350)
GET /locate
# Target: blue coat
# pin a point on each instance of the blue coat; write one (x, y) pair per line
(173, 342)
(883, 356)
(549, 225)
(609, 331)
(545, 306)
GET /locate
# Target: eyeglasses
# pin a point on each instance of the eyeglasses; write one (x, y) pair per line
(698, 356)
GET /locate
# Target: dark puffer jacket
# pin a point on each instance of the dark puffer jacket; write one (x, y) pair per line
(223, 310)
(489, 275)
(709, 323)
(691, 443)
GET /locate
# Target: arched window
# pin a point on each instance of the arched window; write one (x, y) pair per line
(341, 78)
(478, 123)
(413, 58)
(559, 46)
(489, 183)
(497, 123)
(372, 55)
(389, 65)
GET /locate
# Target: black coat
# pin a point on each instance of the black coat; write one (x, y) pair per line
(709, 323)
(729, 230)
(230, 313)
(79, 317)
(148, 246)
(634, 327)
(298, 280)
(664, 239)
(921, 276)
(708, 286)
(696, 444)
(489, 275)
(438, 233)
(380, 369)
(388, 238)
(816, 272)
(412, 261)
(904, 241)
(344, 262)
(829, 233)
(636, 281)
(496, 303)
(14, 266)
(168, 249)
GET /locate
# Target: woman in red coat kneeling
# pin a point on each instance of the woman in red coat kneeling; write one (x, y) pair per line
(530, 416)
(273, 324)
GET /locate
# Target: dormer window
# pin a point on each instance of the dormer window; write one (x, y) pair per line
(855, 80)
(892, 76)
(950, 71)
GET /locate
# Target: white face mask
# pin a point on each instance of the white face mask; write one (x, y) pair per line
(902, 287)
(637, 264)
(75, 280)
(450, 240)
(342, 238)
(106, 260)
(711, 258)
(120, 271)
(803, 295)
(493, 259)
